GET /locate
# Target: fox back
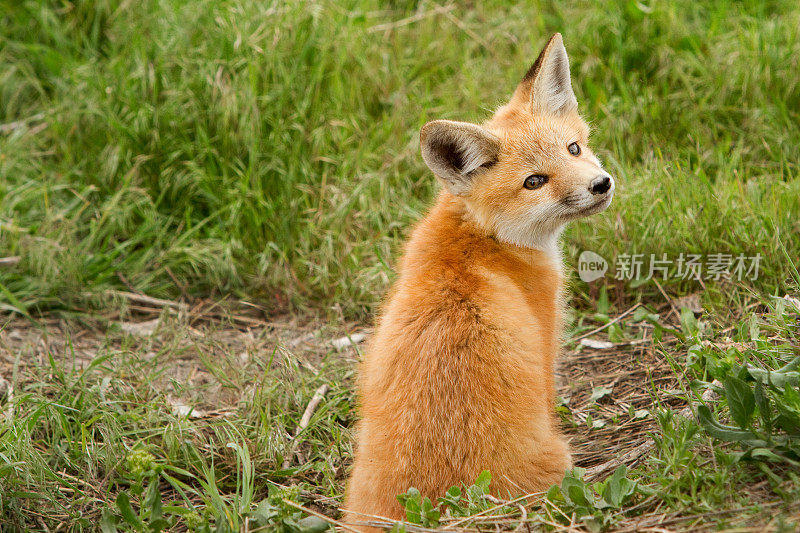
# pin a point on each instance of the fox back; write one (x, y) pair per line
(458, 377)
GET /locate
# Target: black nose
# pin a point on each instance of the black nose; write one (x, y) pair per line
(600, 185)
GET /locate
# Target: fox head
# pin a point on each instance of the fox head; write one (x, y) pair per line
(528, 170)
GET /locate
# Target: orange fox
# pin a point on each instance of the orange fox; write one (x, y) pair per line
(458, 377)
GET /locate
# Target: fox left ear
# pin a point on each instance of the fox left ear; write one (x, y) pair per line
(456, 151)
(547, 87)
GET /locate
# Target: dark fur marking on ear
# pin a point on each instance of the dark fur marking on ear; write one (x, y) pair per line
(559, 66)
(534, 70)
(454, 151)
(450, 151)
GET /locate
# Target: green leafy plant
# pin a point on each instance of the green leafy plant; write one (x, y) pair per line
(419, 510)
(765, 406)
(590, 504)
(469, 500)
(274, 514)
(145, 474)
(461, 501)
(759, 389)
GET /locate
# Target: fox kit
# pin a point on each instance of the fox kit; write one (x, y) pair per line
(458, 377)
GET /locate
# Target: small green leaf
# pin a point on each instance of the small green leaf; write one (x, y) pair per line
(689, 323)
(722, 432)
(612, 492)
(452, 498)
(412, 502)
(313, 524)
(598, 424)
(429, 514)
(108, 522)
(553, 493)
(794, 364)
(755, 330)
(741, 400)
(483, 480)
(764, 411)
(775, 378)
(152, 500)
(658, 334)
(603, 305)
(125, 509)
(600, 392)
(618, 488)
(764, 454)
(576, 492)
(616, 333)
(158, 525)
(639, 314)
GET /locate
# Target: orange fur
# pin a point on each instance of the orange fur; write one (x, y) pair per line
(458, 377)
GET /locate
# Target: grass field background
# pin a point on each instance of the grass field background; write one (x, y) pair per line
(269, 152)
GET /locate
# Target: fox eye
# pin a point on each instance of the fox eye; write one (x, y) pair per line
(535, 181)
(574, 149)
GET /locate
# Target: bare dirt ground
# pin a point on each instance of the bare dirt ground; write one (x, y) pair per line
(204, 362)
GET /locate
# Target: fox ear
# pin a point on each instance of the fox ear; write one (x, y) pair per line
(455, 151)
(546, 87)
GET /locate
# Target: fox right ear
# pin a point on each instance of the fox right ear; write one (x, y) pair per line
(546, 88)
(455, 151)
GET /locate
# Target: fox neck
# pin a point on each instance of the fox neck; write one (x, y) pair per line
(543, 238)
(537, 236)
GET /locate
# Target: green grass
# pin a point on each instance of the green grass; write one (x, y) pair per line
(269, 152)
(272, 152)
